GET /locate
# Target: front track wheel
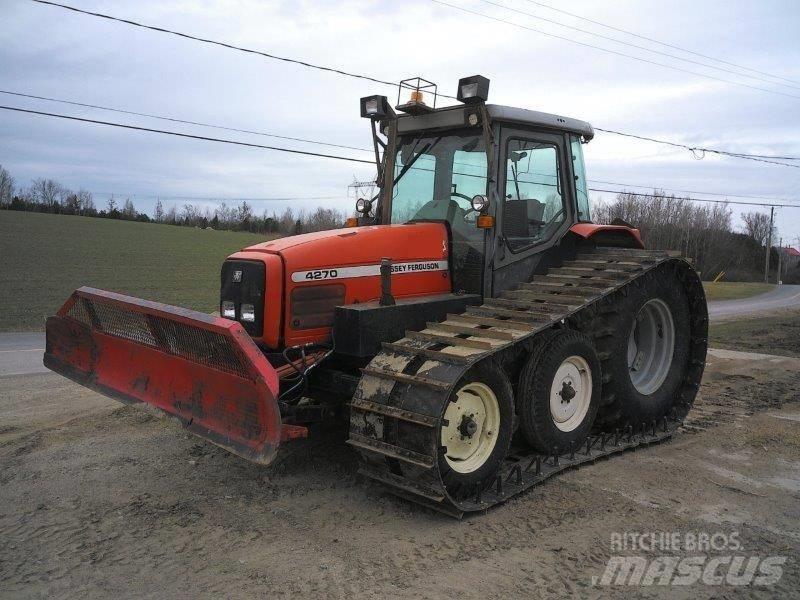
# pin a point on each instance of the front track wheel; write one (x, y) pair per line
(475, 431)
(559, 392)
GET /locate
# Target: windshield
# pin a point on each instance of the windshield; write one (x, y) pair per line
(437, 176)
(435, 180)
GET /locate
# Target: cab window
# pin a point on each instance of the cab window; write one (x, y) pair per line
(534, 199)
(579, 168)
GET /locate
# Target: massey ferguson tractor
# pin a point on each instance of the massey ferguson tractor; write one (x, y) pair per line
(473, 326)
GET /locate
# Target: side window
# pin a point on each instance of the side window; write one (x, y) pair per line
(581, 193)
(534, 202)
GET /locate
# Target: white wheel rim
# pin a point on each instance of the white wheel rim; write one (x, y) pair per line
(651, 344)
(571, 393)
(472, 424)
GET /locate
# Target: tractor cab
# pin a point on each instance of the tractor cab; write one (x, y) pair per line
(509, 182)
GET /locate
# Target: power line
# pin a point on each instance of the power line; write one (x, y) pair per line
(695, 149)
(333, 145)
(214, 198)
(218, 43)
(186, 135)
(650, 187)
(607, 50)
(665, 44)
(315, 154)
(637, 46)
(694, 199)
(176, 120)
(762, 158)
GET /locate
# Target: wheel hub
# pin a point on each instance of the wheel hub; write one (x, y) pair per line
(470, 426)
(651, 344)
(567, 391)
(571, 393)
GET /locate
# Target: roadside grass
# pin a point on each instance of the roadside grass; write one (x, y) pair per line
(775, 334)
(44, 257)
(730, 290)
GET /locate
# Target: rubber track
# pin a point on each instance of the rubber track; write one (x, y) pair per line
(403, 393)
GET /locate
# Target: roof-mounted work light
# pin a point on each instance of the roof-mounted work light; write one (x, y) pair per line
(472, 90)
(375, 107)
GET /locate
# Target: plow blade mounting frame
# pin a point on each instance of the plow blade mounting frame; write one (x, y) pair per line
(204, 370)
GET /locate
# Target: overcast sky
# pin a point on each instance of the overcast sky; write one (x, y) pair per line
(51, 52)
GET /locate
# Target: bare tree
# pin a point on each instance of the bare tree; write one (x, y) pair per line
(47, 192)
(756, 225)
(171, 217)
(128, 210)
(324, 218)
(86, 202)
(669, 223)
(6, 187)
(159, 211)
(286, 222)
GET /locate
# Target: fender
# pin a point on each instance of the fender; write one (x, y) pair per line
(609, 235)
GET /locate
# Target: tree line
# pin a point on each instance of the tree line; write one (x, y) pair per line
(703, 232)
(49, 196)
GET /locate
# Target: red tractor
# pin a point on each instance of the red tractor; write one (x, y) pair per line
(474, 326)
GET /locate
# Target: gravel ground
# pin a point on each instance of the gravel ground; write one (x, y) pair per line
(99, 499)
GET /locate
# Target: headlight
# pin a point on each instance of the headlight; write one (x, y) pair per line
(228, 310)
(363, 206)
(480, 203)
(248, 313)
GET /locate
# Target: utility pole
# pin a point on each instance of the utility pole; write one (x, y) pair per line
(780, 256)
(769, 243)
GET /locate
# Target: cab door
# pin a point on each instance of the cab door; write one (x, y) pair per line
(536, 203)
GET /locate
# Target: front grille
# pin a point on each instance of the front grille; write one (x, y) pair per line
(313, 306)
(243, 282)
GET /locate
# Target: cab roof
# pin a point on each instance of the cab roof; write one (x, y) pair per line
(455, 116)
(541, 119)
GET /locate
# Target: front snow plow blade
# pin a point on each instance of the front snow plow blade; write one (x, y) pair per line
(204, 370)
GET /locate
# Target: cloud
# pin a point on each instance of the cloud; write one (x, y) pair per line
(47, 51)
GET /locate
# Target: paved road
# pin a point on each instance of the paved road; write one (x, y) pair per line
(21, 353)
(782, 296)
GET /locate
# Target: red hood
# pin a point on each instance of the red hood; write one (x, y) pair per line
(357, 245)
(346, 261)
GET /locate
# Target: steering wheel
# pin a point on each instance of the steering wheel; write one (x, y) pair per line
(552, 219)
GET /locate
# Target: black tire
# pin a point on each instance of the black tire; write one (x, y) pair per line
(492, 375)
(537, 422)
(623, 404)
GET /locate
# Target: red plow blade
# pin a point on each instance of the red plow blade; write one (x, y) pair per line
(204, 370)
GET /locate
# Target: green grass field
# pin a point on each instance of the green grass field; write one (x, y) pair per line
(729, 290)
(44, 257)
(773, 334)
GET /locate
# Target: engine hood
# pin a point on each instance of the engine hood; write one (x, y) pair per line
(309, 274)
(359, 244)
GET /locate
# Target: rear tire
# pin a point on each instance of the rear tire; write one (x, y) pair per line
(475, 432)
(646, 352)
(559, 392)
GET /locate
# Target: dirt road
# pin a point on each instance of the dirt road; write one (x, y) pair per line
(782, 297)
(99, 499)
